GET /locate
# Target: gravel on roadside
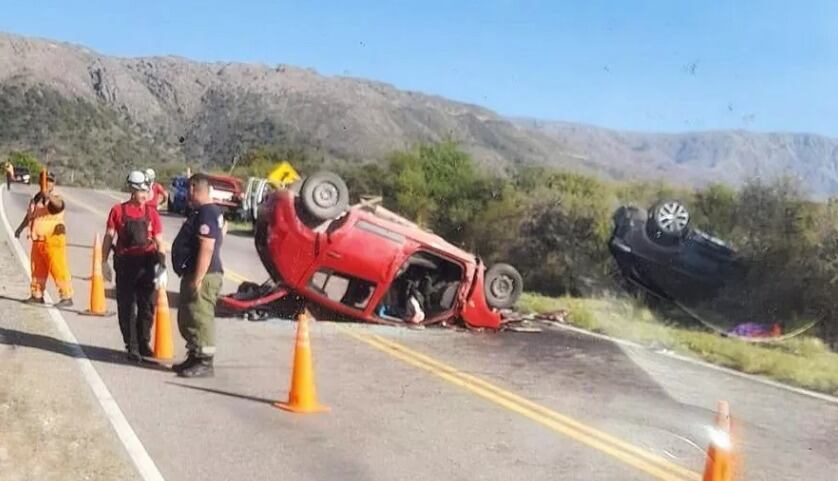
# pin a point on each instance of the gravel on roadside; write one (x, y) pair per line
(51, 426)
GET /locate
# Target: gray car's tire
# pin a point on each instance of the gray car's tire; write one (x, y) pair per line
(503, 286)
(324, 195)
(670, 217)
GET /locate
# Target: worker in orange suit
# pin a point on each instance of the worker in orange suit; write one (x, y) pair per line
(45, 219)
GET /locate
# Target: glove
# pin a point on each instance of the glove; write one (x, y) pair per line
(107, 272)
(161, 277)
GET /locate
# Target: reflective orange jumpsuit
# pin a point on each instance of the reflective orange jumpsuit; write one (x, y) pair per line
(49, 249)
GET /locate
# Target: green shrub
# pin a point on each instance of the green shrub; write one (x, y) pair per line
(28, 161)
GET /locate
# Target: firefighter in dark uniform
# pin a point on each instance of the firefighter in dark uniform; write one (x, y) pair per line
(196, 257)
(139, 262)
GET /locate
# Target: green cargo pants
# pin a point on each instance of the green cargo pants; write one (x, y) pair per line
(196, 314)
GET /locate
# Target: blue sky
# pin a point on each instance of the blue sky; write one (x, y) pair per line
(641, 65)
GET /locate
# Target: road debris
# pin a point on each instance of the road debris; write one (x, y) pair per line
(527, 322)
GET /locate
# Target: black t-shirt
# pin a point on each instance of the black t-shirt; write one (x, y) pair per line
(207, 221)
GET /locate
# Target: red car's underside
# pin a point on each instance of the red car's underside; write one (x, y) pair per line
(364, 265)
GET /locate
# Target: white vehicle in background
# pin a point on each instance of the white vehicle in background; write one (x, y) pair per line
(22, 175)
(257, 190)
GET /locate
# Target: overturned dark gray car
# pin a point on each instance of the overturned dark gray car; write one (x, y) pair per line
(659, 252)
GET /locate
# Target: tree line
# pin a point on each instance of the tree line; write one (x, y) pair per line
(555, 226)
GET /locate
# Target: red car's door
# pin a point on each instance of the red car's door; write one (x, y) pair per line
(354, 260)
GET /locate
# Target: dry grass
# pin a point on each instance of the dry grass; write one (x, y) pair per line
(802, 361)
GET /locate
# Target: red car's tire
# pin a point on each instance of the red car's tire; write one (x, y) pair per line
(503, 286)
(324, 196)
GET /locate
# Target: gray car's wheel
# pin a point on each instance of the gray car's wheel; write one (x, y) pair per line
(503, 286)
(670, 217)
(324, 195)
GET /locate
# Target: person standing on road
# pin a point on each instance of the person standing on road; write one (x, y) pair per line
(157, 193)
(45, 219)
(139, 262)
(10, 175)
(196, 257)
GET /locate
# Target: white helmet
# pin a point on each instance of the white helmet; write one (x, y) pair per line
(137, 181)
(150, 175)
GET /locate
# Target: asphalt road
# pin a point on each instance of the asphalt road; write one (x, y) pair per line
(433, 404)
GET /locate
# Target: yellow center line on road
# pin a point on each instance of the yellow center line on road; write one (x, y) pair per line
(235, 277)
(545, 411)
(629, 454)
(623, 451)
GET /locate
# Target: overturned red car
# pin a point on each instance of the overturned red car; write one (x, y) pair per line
(368, 263)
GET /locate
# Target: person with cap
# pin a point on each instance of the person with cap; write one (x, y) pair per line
(48, 233)
(196, 258)
(139, 262)
(157, 193)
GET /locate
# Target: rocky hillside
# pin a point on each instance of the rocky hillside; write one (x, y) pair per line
(700, 157)
(94, 116)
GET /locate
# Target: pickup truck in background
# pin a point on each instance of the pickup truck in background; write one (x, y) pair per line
(227, 192)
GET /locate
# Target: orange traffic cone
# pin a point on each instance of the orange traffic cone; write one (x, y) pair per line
(164, 347)
(303, 396)
(719, 466)
(97, 282)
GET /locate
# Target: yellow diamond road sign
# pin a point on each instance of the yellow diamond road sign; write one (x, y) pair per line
(283, 174)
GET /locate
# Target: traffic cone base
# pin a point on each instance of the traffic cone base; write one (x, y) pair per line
(164, 347)
(302, 398)
(88, 313)
(299, 410)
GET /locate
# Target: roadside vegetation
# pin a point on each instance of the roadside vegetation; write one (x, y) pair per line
(554, 226)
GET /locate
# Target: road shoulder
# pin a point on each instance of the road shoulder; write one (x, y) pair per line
(51, 426)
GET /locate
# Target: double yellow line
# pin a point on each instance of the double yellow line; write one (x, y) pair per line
(651, 464)
(634, 456)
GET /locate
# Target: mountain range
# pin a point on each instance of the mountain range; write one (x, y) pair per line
(93, 116)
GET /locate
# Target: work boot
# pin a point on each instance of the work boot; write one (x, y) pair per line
(145, 351)
(190, 360)
(201, 368)
(34, 300)
(133, 355)
(64, 303)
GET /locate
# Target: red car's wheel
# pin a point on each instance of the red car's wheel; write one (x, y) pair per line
(503, 285)
(324, 195)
